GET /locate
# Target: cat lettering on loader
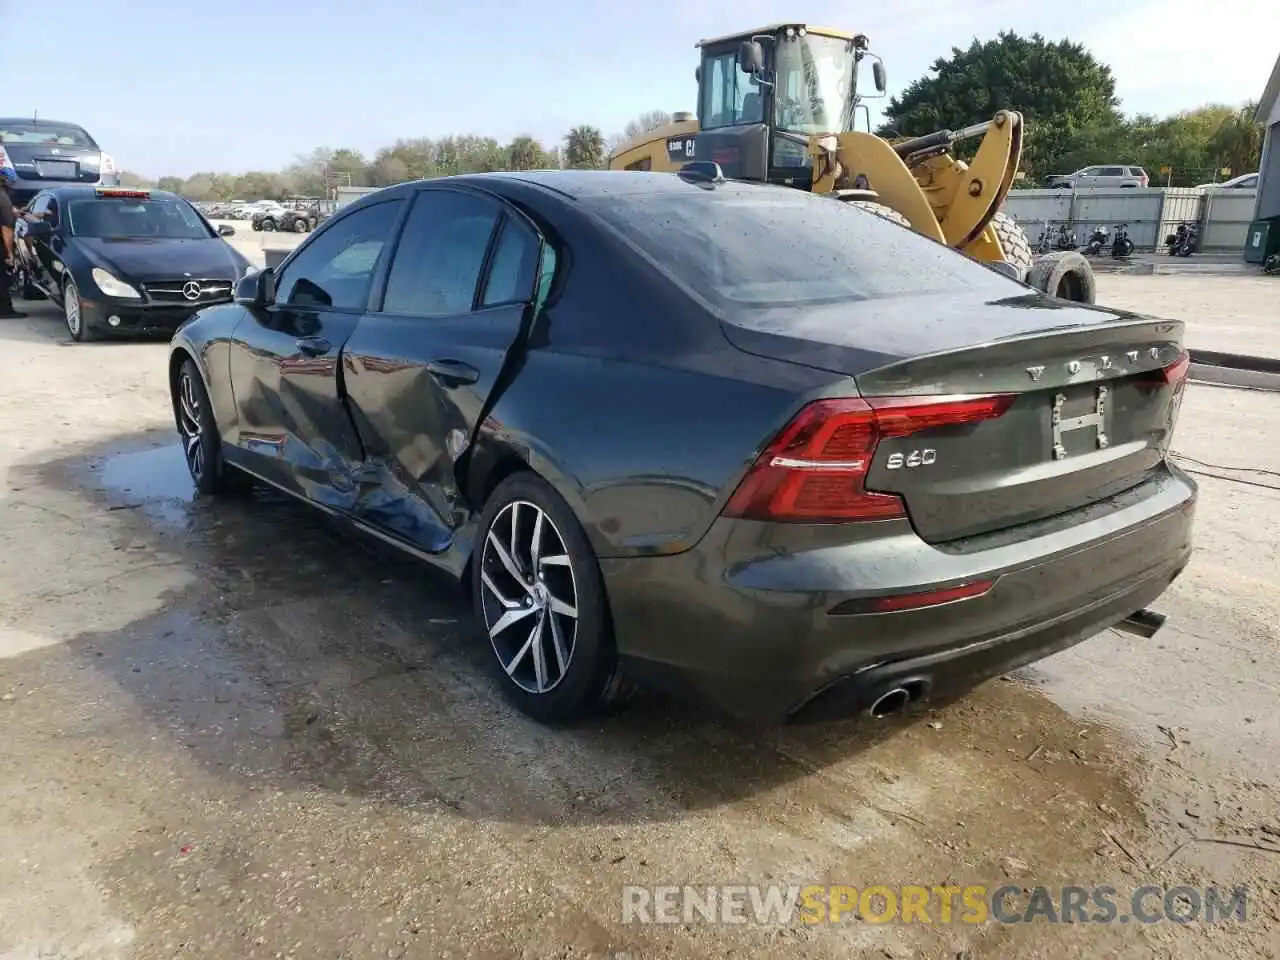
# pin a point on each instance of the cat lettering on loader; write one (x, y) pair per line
(778, 105)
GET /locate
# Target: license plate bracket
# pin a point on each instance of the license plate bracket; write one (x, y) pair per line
(1070, 422)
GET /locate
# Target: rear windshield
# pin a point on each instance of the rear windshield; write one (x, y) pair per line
(127, 219)
(772, 246)
(35, 132)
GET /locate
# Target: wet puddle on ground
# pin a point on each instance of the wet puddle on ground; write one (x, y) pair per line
(153, 479)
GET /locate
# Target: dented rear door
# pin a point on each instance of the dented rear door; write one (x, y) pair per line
(422, 370)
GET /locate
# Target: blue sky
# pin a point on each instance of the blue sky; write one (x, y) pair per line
(175, 86)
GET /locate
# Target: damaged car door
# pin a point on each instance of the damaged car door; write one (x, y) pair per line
(294, 429)
(422, 367)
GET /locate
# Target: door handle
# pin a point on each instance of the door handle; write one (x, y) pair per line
(452, 372)
(313, 346)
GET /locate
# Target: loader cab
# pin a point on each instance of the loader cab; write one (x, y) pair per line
(763, 94)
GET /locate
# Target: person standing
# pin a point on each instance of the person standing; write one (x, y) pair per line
(8, 251)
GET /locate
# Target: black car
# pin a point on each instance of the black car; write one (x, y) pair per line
(47, 153)
(125, 261)
(738, 438)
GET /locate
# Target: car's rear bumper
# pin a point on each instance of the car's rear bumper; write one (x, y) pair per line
(136, 318)
(749, 625)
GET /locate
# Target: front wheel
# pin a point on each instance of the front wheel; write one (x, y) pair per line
(201, 442)
(73, 314)
(538, 594)
(268, 225)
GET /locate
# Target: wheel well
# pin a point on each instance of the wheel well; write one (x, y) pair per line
(508, 466)
(176, 360)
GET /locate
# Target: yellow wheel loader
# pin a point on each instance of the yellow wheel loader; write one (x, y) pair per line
(778, 105)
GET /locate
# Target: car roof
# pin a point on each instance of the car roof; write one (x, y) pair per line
(583, 184)
(38, 121)
(72, 190)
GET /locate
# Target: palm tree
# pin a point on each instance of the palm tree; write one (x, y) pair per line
(584, 148)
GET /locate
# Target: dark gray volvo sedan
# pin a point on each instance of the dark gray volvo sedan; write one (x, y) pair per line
(735, 439)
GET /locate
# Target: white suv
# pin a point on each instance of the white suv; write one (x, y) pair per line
(1101, 176)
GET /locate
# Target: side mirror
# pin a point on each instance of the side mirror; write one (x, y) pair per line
(877, 74)
(257, 289)
(226, 230)
(751, 57)
(39, 229)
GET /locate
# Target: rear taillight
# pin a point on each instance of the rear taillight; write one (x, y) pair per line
(1174, 375)
(814, 470)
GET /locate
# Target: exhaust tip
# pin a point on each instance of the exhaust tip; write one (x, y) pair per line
(890, 703)
(1143, 623)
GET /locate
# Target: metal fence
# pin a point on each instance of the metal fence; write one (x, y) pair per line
(1151, 214)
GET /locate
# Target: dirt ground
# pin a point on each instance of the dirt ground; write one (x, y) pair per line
(231, 732)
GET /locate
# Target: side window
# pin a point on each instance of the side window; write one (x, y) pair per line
(1249, 183)
(1113, 171)
(729, 97)
(52, 206)
(515, 265)
(1089, 172)
(644, 163)
(438, 261)
(336, 269)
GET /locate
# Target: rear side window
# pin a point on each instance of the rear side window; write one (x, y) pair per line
(441, 253)
(768, 246)
(1137, 172)
(515, 265)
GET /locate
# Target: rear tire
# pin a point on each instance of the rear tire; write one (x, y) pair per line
(1013, 243)
(268, 225)
(534, 568)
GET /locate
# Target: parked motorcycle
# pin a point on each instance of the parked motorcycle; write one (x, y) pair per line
(1044, 243)
(1121, 245)
(1067, 237)
(1097, 240)
(1182, 242)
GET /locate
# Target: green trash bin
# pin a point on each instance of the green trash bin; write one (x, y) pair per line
(1262, 240)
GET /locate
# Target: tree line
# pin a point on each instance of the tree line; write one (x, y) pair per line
(1067, 96)
(1073, 115)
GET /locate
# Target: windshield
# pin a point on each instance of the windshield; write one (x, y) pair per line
(740, 246)
(39, 131)
(136, 219)
(813, 84)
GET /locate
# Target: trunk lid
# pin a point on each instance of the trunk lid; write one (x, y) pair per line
(55, 162)
(1090, 412)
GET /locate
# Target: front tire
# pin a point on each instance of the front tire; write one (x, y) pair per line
(201, 442)
(78, 326)
(268, 225)
(539, 596)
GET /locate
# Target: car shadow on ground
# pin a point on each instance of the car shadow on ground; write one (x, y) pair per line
(298, 656)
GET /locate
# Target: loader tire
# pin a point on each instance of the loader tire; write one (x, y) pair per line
(880, 210)
(1014, 243)
(1065, 275)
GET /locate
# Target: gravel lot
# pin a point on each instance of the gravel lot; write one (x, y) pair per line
(231, 732)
